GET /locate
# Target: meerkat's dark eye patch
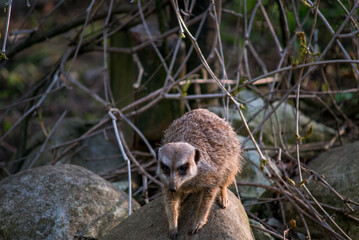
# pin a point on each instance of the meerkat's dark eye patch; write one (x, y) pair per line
(197, 156)
(183, 169)
(165, 168)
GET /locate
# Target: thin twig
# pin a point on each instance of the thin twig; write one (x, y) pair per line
(8, 10)
(106, 83)
(124, 155)
(137, 84)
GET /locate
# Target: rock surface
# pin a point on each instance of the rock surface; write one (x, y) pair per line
(284, 118)
(251, 172)
(59, 202)
(150, 222)
(340, 168)
(258, 234)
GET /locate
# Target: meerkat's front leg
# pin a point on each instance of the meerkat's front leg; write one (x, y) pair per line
(222, 198)
(172, 208)
(206, 200)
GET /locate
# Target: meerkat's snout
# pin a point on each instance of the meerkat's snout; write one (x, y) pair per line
(172, 186)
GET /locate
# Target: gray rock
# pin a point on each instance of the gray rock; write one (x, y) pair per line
(150, 222)
(340, 168)
(251, 172)
(258, 234)
(58, 202)
(284, 117)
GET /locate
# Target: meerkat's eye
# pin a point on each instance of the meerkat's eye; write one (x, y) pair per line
(183, 169)
(165, 168)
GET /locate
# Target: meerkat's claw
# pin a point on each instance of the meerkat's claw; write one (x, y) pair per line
(196, 228)
(222, 198)
(174, 236)
(222, 202)
(193, 231)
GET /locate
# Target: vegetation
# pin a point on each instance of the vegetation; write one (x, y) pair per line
(128, 68)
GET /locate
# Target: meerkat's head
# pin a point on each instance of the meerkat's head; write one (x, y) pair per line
(177, 163)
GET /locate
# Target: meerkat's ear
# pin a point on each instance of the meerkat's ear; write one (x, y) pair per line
(157, 152)
(197, 155)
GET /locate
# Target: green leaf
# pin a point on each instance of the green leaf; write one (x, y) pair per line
(298, 137)
(7, 125)
(3, 56)
(291, 181)
(263, 164)
(306, 3)
(309, 132)
(185, 88)
(304, 181)
(324, 87)
(293, 224)
(236, 91)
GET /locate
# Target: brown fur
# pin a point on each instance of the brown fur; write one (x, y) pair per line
(219, 161)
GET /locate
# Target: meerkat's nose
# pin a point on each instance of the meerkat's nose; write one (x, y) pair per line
(172, 187)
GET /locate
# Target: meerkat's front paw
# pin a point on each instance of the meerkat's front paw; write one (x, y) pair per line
(173, 233)
(222, 200)
(222, 204)
(197, 227)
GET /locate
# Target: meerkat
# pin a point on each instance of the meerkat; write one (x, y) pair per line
(200, 154)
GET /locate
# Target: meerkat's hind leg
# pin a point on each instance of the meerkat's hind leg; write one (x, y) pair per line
(222, 198)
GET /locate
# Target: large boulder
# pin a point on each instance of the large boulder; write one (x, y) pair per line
(283, 121)
(150, 222)
(340, 168)
(59, 202)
